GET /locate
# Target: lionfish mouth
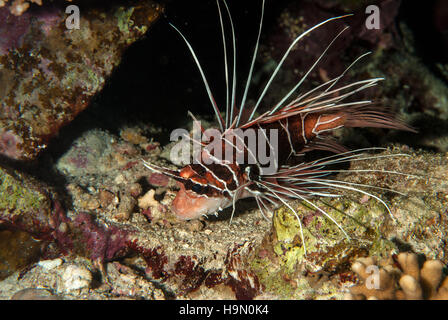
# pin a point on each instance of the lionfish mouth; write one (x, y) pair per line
(187, 205)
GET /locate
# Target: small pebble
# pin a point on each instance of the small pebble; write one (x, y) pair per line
(50, 264)
(119, 179)
(76, 278)
(365, 198)
(34, 294)
(135, 190)
(106, 198)
(63, 227)
(195, 225)
(125, 208)
(92, 204)
(147, 200)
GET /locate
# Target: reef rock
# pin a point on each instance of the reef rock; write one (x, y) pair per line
(51, 64)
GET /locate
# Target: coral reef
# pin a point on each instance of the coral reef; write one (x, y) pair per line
(61, 280)
(251, 258)
(404, 278)
(114, 236)
(419, 222)
(26, 204)
(49, 73)
(33, 208)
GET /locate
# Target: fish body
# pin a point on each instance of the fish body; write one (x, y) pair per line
(208, 188)
(216, 179)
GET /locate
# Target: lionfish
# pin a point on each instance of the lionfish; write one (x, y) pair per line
(303, 123)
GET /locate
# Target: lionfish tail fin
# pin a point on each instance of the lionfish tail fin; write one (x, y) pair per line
(375, 117)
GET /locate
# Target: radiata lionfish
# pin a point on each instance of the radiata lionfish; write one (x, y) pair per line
(302, 123)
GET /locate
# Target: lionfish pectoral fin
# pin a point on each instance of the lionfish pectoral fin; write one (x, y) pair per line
(325, 145)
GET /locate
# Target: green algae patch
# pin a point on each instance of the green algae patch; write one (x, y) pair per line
(25, 208)
(17, 197)
(329, 232)
(283, 267)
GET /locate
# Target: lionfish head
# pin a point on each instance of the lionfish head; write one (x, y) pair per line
(201, 193)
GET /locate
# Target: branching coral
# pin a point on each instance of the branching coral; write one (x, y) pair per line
(403, 278)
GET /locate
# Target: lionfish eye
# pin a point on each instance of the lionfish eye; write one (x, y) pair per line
(197, 188)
